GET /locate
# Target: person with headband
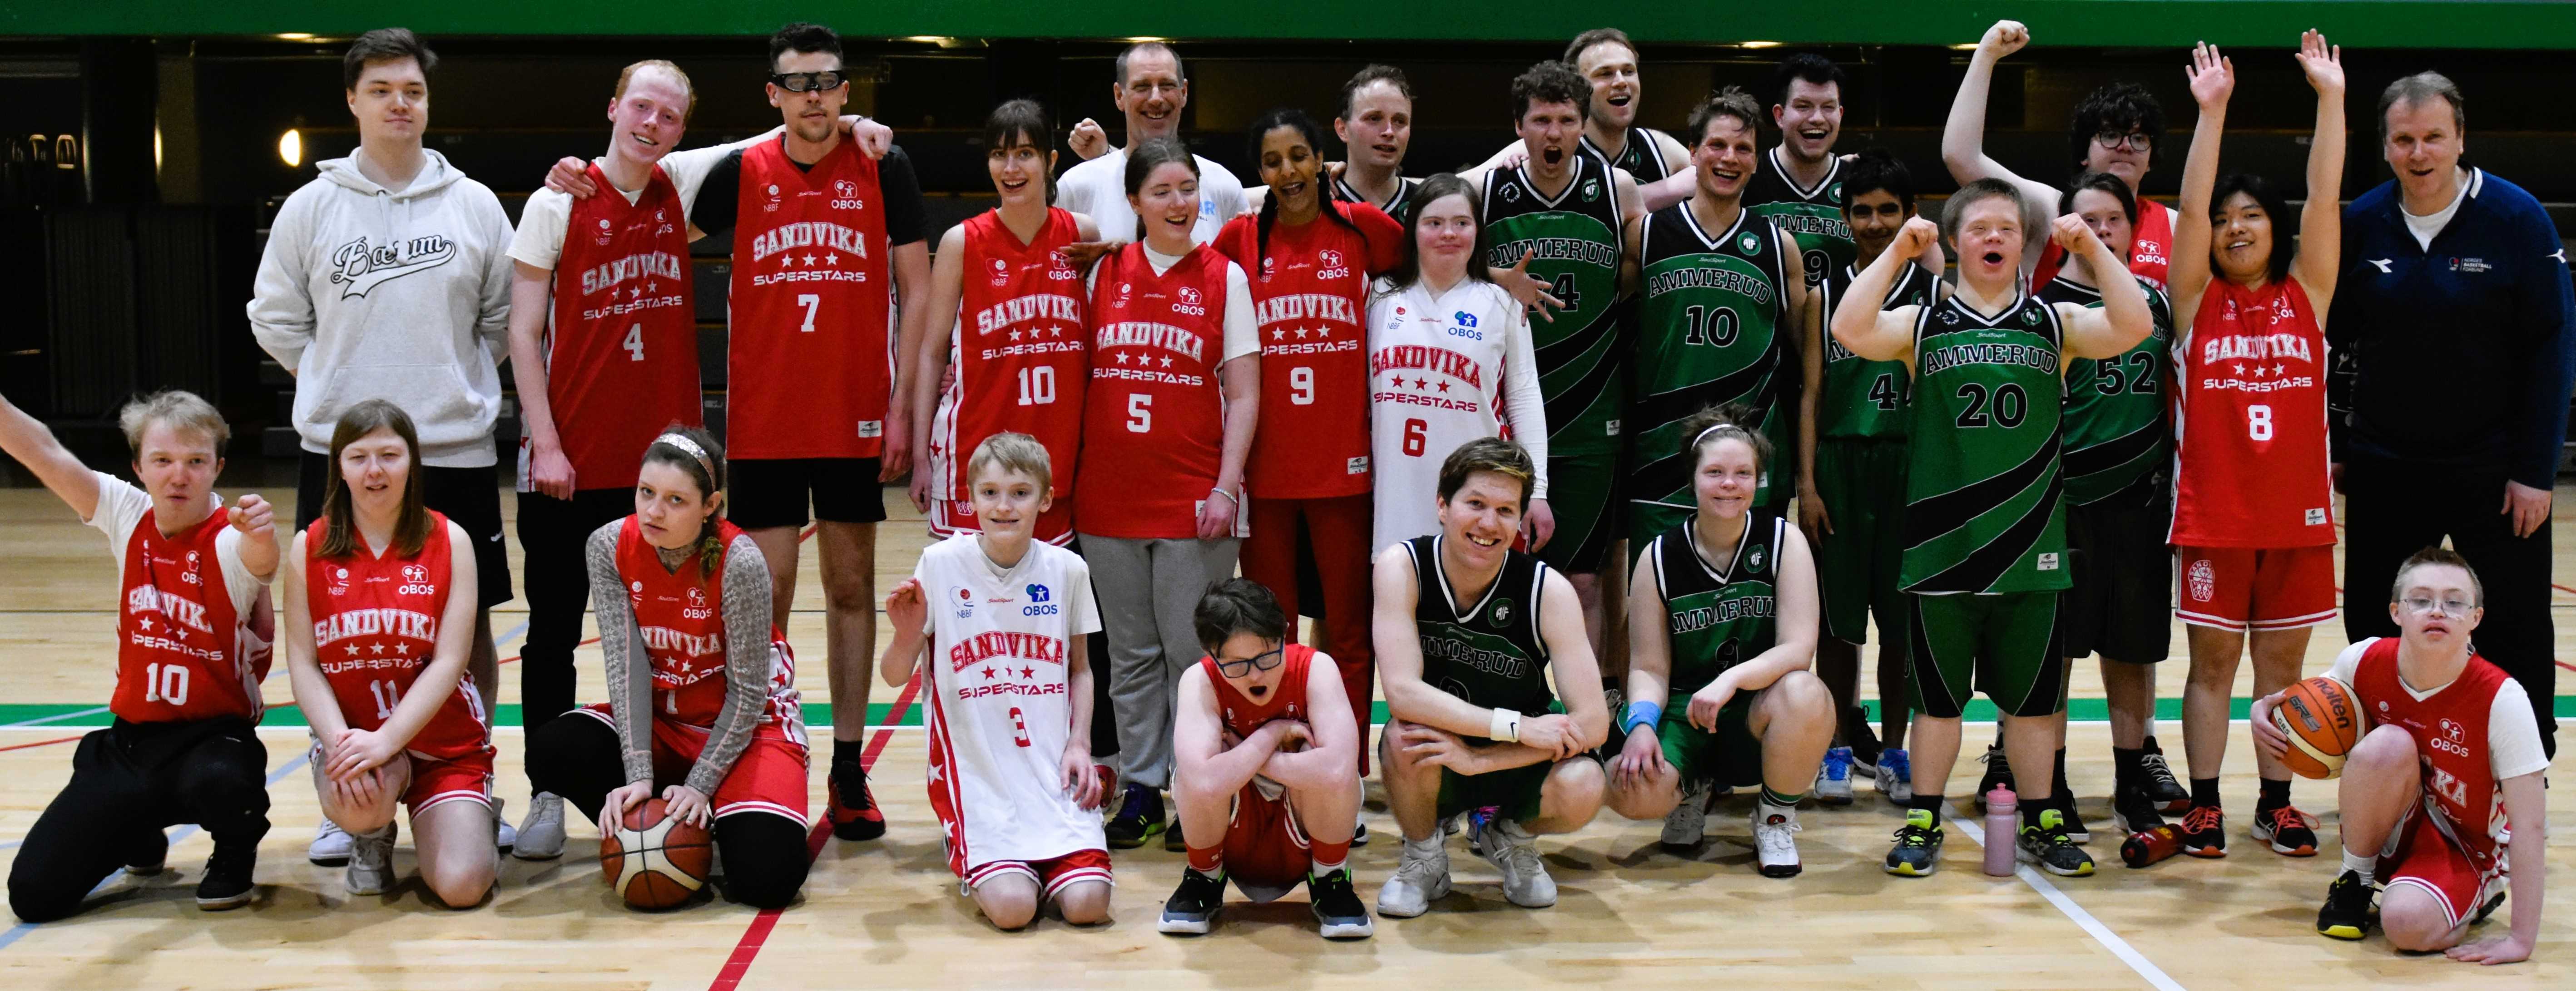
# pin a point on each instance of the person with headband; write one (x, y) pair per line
(1722, 624)
(703, 708)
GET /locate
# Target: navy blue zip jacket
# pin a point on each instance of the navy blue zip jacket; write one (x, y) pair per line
(2463, 354)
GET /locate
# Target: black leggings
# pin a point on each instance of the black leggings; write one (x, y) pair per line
(556, 535)
(764, 854)
(130, 781)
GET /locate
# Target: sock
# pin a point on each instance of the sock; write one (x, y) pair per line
(1426, 848)
(2151, 746)
(2059, 789)
(2204, 791)
(2030, 813)
(1784, 801)
(2126, 765)
(849, 764)
(1928, 803)
(1329, 857)
(2275, 795)
(2359, 864)
(1208, 860)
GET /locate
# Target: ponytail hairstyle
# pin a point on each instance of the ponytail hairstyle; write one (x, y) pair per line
(1154, 153)
(1022, 123)
(1289, 117)
(1716, 423)
(340, 530)
(1446, 184)
(696, 453)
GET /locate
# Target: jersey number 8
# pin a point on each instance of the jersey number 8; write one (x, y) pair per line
(2258, 422)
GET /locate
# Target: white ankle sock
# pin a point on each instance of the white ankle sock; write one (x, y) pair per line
(2362, 865)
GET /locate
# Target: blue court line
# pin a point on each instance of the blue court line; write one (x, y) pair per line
(19, 931)
(504, 639)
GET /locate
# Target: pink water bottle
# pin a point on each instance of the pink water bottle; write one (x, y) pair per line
(2002, 831)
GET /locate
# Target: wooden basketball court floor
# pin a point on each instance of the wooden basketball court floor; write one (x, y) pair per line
(886, 913)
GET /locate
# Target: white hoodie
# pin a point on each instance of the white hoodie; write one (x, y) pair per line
(365, 293)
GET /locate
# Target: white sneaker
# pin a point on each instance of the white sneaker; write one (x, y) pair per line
(330, 845)
(1514, 852)
(1896, 775)
(1421, 877)
(1833, 777)
(371, 862)
(541, 834)
(504, 835)
(1687, 823)
(1773, 844)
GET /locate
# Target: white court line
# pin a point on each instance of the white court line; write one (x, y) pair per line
(2102, 934)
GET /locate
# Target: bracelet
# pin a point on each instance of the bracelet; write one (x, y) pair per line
(1505, 726)
(1645, 714)
(1229, 496)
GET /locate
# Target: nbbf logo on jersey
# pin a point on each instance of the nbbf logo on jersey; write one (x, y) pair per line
(415, 581)
(339, 581)
(964, 602)
(772, 205)
(845, 195)
(1001, 273)
(605, 232)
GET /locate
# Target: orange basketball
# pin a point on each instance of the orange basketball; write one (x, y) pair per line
(2323, 722)
(653, 861)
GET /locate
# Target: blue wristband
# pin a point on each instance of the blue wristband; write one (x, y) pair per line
(1642, 714)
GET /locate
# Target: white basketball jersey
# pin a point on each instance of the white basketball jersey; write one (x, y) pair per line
(1435, 382)
(995, 686)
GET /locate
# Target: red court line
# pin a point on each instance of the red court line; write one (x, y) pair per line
(2563, 588)
(39, 743)
(2564, 664)
(739, 963)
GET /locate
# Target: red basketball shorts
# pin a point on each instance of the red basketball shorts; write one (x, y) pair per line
(2245, 588)
(768, 777)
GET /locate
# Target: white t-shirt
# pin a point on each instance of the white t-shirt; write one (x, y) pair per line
(2424, 228)
(1242, 333)
(120, 509)
(539, 241)
(997, 681)
(2513, 733)
(1098, 188)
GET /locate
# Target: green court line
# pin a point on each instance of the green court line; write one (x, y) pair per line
(820, 714)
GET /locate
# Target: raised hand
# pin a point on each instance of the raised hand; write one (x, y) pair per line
(2005, 38)
(1916, 235)
(906, 607)
(2322, 62)
(2071, 234)
(1088, 140)
(2213, 76)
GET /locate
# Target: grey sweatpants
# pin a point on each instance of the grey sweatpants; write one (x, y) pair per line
(1147, 590)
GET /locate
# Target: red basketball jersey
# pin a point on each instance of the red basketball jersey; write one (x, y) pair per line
(1021, 361)
(1242, 715)
(680, 614)
(1310, 301)
(1153, 421)
(375, 628)
(2450, 731)
(811, 365)
(622, 344)
(2250, 422)
(2150, 249)
(179, 648)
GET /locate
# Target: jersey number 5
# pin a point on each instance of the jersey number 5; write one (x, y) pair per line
(1140, 413)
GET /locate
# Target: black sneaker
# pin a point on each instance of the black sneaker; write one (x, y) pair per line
(2049, 845)
(2291, 833)
(2076, 830)
(1194, 905)
(2346, 914)
(2488, 907)
(1359, 834)
(853, 811)
(1615, 699)
(2157, 779)
(1998, 775)
(1140, 816)
(1172, 836)
(150, 857)
(2136, 809)
(227, 882)
(2204, 832)
(1917, 852)
(1339, 913)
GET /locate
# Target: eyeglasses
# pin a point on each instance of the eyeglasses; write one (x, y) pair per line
(2131, 140)
(807, 82)
(2449, 607)
(1261, 662)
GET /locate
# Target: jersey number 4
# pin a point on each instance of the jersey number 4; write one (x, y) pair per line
(1565, 293)
(1888, 393)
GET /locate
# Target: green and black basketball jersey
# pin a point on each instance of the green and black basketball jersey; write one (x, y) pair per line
(1718, 614)
(1865, 398)
(1640, 156)
(1574, 241)
(1984, 500)
(1711, 328)
(1812, 215)
(1488, 652)
(2117, 431)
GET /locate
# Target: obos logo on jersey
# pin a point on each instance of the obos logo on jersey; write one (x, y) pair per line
(415, 581)
(845, 195)
(1060, 267)
(1039, 604)
(1189, 302)
(2454, 739)
(1331, 266)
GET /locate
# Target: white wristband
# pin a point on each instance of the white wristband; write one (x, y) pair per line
(1505, 726)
